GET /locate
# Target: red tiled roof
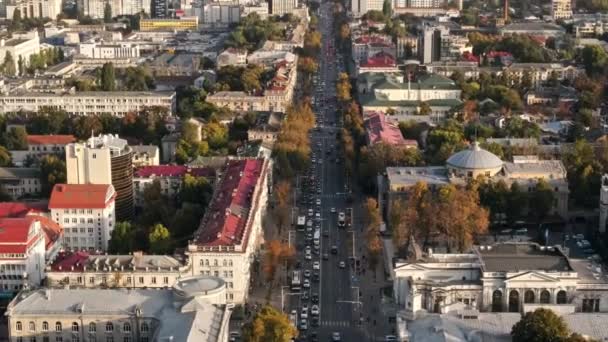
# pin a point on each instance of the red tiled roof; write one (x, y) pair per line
(467, 56)
(52, 231)
(380, 60)
(65, 261)
(379, 130)
(173, 171)
(50, 139)
(14, 234)
(226, 218)
(81, 196)
(20, 209)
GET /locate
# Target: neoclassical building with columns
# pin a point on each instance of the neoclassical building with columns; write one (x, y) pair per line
(507, 277)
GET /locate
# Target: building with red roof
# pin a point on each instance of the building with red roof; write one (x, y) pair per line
(86, 212)
(42, 145)
(170, 178)
(381, 62)
(231, 230)
(368, 45)
(379, 130)
(22, 254)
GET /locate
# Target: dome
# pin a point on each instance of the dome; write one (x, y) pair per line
(474, 158)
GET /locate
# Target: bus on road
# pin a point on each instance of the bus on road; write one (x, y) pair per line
(301, 222)
(341, 219)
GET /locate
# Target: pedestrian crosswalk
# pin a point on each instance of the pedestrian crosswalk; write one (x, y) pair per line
(335, 323)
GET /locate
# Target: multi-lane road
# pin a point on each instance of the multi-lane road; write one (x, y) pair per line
(324, 190)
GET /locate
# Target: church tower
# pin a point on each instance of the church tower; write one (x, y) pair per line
(603, 203)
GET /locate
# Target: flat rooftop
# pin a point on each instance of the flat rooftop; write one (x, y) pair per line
(408, 176)
(512, 257)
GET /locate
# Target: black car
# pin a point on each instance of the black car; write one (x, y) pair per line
(334, 249)
(314, 298)
(315, 323)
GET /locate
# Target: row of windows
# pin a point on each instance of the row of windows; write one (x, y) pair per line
(91, 338)
(227, 274)
(79, 211)
(104, 280)
(126, 327)
(225, 262)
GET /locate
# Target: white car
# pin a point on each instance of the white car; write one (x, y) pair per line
(306, 283)
(314, 310)
(304, 313)
(333, 209)
(308, 256)
(342, 264)
(335, 336)
(316, 265)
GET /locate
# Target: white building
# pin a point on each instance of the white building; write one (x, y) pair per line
(84, 270)
(34, 8)
(360, 7)
(261, 9)
(270, 57)
(221, 13)
(20, 182)
(20, 46)
(170, 178)
(231, 56)
(39, 146)
(100, 50)
(192, 310)
(86, 213)
(280, 7)
(116, 103)
(561, 9)
(229, 235)
(145, 155)
(513, 277)
(22, 250)
(105, 159)
(95, 8)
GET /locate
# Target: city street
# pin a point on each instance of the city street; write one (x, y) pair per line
(322, 197)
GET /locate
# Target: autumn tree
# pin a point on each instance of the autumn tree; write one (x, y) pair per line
(5, 157)
(343, 88)
(424, 108)
(269, 325)
(540, 325)
(372, 221)
(282, 195)
(277, 253)
(159, 239)
(292, 148)
(409, 218)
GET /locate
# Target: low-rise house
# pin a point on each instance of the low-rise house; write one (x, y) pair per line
(552, 96)
(192, 310)
(535, 28)
(366, 46)
(87, 214)
(19, 182)
(170, 178)
(145, 155)
(267, 128)
(41, 145)
(85, 270)
(379, 130)
(270, 57)
(231, 56)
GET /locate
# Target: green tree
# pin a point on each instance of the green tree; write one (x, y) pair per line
(8, 67)
(84, 126)
(269, 325)
(186, 220)
(122, 240)
(17, 22)
(190, 132)
(52, 171)
(517, 201)
(107, 13)
(541, 325)
(387, 8)
(5, 157)
(594, 59)
(541, 200)
(159, 239)
(107, 79)
(15, 138)
(21, 65)
(196, 190)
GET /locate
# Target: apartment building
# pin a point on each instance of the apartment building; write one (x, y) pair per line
(86, 213)
(169, 24)
(192, 310)
(145, 155)
(95, 8)
(366, 46)
(39, 146)
(34, 8)
(169, 177)
(20, 182)
(22, 250)
(561, 9)
(221, 13)
(229, 235)
(280, 7)
(116, 103)
(84, 270)
(20, 46)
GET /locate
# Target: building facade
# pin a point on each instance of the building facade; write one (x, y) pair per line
(145, 155)
(20, 46)
(39, 146)
(166, 24)
(22, 252)
(192, 310)
(116, 103)
(221, 13)
(95, 8)
(561, 9)
(280, 7)
(87, 214)
(100, 50)
(229, 235)
(105, 159)
(20, 182)
(84, 270)
(508, 277)
(34, 8)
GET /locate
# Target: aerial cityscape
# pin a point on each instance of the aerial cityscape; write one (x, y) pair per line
(313, 170)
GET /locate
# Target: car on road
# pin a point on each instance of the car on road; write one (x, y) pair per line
(307, 274)
(325, 256)
(333, 209)
(314, 298)
(318, 201)
(315, 266)
(306, 283)
(342, 264)
(315, 323)
(335, 336)
(308, 256)
(304, 296)
(390, 338)
(314, 310)
(334, 249)
(303, 324)
(326, 232)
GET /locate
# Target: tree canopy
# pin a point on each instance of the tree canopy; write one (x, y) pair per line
(269, 325)
(540, 325)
